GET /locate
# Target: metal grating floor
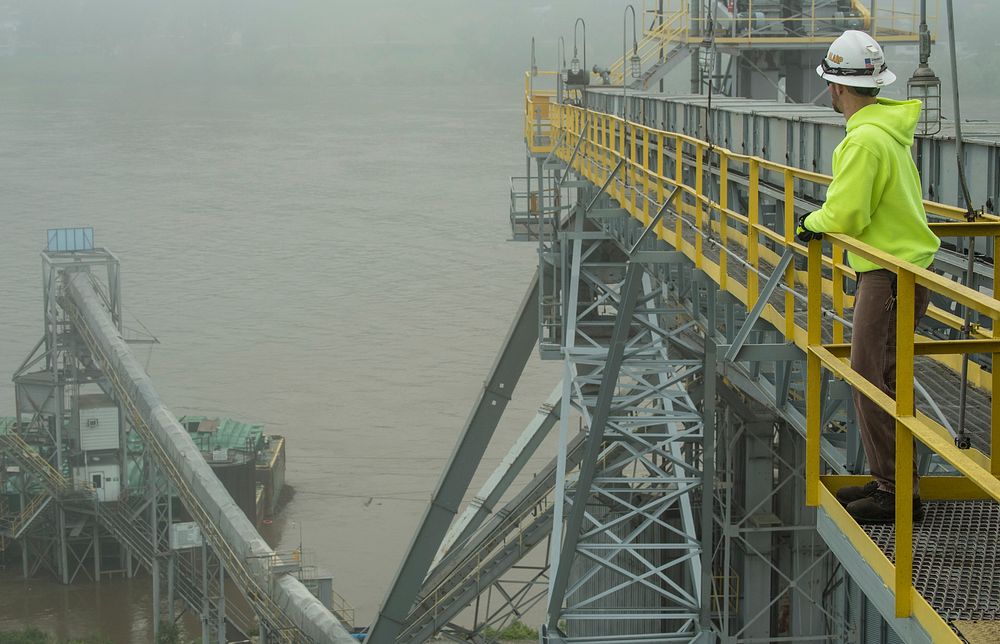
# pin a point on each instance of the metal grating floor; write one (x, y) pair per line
(978, 632)
(954, 558)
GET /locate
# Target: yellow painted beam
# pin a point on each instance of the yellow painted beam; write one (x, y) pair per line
(924, 346)
(813, 375)
(966, 229)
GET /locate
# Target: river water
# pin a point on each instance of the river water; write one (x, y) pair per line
(329, 260)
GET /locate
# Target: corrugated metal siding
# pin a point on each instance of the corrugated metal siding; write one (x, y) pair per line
(98, 428)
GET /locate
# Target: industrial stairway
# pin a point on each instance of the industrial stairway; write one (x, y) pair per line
(54, 482)
(13, 526)
(130, 528)
(662, 47)
(474, 574)
(469, 568)
(127, 526)
(55, 485)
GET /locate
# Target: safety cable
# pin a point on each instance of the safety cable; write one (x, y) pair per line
(961, 438)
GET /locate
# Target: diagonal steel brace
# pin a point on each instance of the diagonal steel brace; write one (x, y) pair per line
(604, 186)
(655, 220)
(758, 307)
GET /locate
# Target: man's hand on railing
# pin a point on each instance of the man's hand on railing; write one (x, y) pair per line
(803, 234)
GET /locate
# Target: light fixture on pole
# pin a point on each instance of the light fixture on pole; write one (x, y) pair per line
(924, 85)
(636, 72)
(534, 64)
(578, 74)
(562, 57)
(635, 63)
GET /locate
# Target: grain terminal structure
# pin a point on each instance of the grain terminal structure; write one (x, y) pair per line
(703, 418)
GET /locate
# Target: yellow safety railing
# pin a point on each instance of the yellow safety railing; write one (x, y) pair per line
(718, 239)
(538, 126)
(746, 22)
(343, 609)
(909, 425)
(15, 524)
(655, 43)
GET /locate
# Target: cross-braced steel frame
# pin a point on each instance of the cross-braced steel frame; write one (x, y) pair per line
(627, 561)
(763, 532)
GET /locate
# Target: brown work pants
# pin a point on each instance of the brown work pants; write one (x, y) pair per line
(873, 355)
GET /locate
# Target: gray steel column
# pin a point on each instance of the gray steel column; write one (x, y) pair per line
(758, 480)
(161, 560)
(572, 289)
(220, 610)
(807, 610)
(97, 552)
(474, 439)
(206, 624)
(154, 565)
(708, 484)
(695, 51)
(62, 545)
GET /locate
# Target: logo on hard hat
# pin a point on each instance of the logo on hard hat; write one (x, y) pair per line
(836, 59)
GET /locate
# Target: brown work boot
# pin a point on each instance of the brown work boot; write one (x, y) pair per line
(853, 493)
(880, 507)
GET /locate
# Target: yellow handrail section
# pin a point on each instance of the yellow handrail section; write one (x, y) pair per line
(744, 22)
(538, 128)
(654, 44)
(735, 248)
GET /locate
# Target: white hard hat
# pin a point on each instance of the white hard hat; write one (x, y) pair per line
(856, 59)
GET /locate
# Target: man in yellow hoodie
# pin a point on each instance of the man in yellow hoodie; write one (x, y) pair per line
(875, 197)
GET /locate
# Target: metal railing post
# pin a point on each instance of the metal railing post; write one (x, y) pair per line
(789, 239)
(724, 221)
(995, 376)
(814, 371)
(837, 254)
(699, 210)
(753, 237)
(905, 322)
(679, 180)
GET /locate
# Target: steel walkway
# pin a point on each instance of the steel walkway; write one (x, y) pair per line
(924, 570)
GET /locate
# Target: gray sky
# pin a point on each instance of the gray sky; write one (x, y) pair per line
(390, 41)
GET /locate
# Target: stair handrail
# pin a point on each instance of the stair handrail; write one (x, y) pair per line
(674, 26)
(55, 481)
(519, 523)
(17, 523)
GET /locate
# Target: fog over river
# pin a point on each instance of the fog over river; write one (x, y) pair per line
(309, 200)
